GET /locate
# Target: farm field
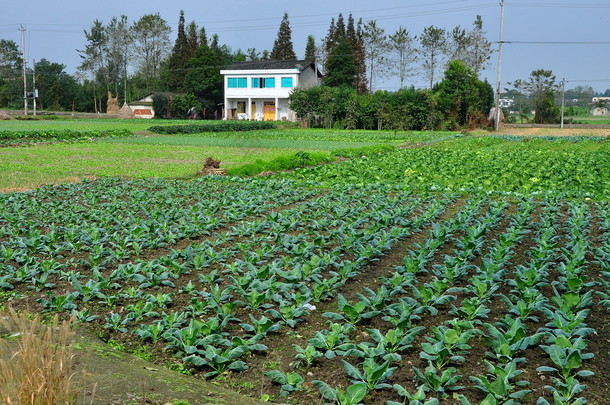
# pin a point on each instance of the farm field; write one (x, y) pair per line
(467, 270)
(167, 156)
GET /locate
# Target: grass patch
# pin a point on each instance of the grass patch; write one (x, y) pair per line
(27, 168)
(177, 140)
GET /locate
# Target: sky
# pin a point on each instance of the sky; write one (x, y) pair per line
(569, 37)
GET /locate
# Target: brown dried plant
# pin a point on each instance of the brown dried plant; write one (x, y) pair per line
(36, 360)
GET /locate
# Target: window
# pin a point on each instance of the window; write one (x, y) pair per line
(237, 82)
(287, 82)
(263, 82)
(270, 82)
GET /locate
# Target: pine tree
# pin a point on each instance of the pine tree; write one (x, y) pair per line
(354, 36)
(178, 60)
(282, 47)
(310, 49)
(192, 38)
(341, 69)
(340, 29)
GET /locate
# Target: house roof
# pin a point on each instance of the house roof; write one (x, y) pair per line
(271, 65)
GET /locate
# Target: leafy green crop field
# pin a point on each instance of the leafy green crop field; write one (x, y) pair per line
(466, 270)
(579, 168)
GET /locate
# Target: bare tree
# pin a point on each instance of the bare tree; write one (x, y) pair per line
(118, 50)
(375, 49)
(152, 44)
(402, 46)
(433, 47)
(480, 47)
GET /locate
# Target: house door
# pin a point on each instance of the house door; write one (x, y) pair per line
(253, 112)
(269, 111)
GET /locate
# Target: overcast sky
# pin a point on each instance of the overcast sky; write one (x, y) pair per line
(54, 28)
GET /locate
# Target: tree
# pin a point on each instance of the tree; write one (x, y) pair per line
(401, 45)
(311, 51)
(282, 47)
(151, 36)
(355, 37)
(94, 61)
(118, 51)
(462, 97)
(11, 87)
(375, 49)
(203, 78)
(458, 45)
(341, 68)
(433, 45)
(177, 63)
(480, 48)
(579, 96)
(540, 88)
(56, 88)
(192, 37)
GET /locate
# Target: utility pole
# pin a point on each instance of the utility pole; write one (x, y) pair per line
(34, 91)
(563, 98)
(25, 88)
(500, 42)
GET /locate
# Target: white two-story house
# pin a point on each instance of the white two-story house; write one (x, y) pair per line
(259, 90)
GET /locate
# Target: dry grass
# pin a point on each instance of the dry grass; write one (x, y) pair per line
(36, 361)
(566, 131)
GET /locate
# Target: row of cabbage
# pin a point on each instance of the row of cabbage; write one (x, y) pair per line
(25, 137)
(534, 320)
(263, 255)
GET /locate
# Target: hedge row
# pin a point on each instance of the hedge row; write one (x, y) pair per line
(224, 126)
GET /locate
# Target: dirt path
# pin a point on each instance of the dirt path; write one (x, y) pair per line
(108, 376)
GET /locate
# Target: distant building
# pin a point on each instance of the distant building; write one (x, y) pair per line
(143, 108)
(506, 102)
(598, 106)
(259, 90)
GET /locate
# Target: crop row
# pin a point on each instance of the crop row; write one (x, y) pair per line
(214, 270)
(8, 138)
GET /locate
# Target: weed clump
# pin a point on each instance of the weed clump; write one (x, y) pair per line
(36, 360)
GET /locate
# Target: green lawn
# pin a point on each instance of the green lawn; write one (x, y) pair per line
(30, 167)
(234, 142)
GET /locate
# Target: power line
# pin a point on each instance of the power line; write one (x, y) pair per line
(558, 42)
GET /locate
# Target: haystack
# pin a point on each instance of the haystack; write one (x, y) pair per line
(126, 112)
(212, 166)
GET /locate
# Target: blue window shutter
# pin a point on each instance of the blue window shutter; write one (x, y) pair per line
(232, 82)
(255, 82)
(287, 82)
(242, 82)
(270, 82)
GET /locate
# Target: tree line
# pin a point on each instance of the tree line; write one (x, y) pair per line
(132, 59)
